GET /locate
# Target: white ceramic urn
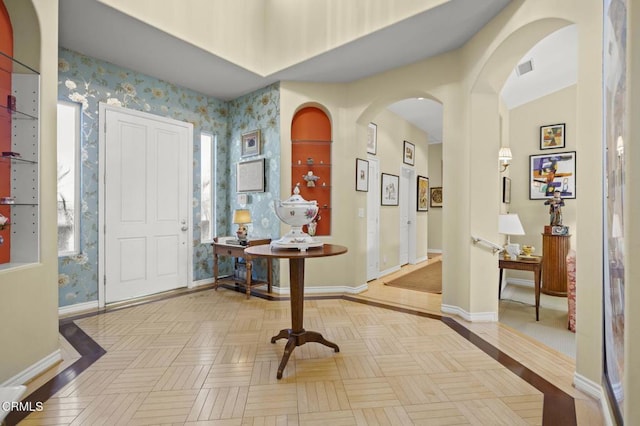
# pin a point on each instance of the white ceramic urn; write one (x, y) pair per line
(296, 212)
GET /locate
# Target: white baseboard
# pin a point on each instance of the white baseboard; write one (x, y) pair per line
(324, 290)
(34, 370)
(389, 271)
(520, 282)
(587, 386)
(595, 391)
(468, 316)
(77, 308)
(422, 259)
(200, 283)
(439, 251)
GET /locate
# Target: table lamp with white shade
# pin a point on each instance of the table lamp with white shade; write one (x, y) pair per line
(242, 217)
(509, 224)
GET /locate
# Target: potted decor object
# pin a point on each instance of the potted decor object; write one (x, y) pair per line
(296, 212)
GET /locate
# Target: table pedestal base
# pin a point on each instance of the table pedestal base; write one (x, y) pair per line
(298, 338)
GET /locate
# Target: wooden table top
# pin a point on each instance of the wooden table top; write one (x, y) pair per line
(266, 250)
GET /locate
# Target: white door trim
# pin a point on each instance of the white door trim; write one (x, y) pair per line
(411, 204)
(103, 108)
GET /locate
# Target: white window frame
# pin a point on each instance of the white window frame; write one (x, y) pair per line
(212, 188)
(76, 175)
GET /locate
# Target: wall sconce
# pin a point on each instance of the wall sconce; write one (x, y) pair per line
(241, 217)
(505, 157)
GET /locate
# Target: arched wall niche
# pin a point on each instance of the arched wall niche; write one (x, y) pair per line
(311, 162)
(26, 32)
(6, 47)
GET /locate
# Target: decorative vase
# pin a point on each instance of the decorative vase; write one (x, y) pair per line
(296, 212)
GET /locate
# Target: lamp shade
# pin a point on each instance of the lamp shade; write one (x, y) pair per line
(509, 224)
(504, 155)
(241, 216)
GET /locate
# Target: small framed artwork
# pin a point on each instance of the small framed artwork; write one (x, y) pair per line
(409, 153)
(362, 175)
(436, 196)
(551, 172)
(372, 138)
(552, 136)
(250, 144)
(423, 194)
(389, 185)
(250, 176)
(506, 190)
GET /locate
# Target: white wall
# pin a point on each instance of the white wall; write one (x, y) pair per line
(29, 295)
(435, 213)
(632, 238)
(524, 130)
(392, 132)
(346, 227)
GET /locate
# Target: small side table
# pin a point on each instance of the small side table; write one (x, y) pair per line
(297, 335)
(533, 264)
(222, 248)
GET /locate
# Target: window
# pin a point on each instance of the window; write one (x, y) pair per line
(207, 187)
(68, 178)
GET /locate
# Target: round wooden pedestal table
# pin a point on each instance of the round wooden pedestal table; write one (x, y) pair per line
(297, 335)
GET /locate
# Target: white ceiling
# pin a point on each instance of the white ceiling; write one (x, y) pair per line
(96, 30)
(555, 66)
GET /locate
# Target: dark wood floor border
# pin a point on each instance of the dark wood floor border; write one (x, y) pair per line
(558, 407)
(89, 352)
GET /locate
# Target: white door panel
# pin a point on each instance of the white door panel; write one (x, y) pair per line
(146, 205)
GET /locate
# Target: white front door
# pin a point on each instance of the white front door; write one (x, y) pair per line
(373, 214)
(146, 204)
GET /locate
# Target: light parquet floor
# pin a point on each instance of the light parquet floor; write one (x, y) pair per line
(205, 358)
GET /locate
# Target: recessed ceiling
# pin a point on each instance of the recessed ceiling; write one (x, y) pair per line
(91, 28)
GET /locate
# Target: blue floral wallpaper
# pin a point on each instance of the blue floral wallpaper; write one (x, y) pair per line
(89, 81)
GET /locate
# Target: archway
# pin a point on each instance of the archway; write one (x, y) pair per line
(485, 133)
(532, 100)
(404, 129)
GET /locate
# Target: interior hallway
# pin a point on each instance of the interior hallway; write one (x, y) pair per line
(194, 358)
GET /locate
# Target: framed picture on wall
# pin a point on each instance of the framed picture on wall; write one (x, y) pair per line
(422, 194)
(362, 175)
(409, 153)
(250, 176)
(552, 136)
(250, 144)
(506, 190)
(436, 196)
(551, 172)
(372, 138)
(389, 185)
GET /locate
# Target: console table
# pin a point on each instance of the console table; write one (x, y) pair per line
(533, 264)
(222, 248)
(297, 335)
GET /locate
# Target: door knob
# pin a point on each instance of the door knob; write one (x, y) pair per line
(184, 227)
